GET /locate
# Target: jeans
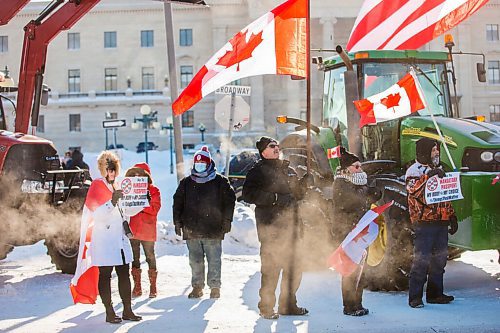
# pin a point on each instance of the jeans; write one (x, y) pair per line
(149, 251)
(430, 256)
(198, 249)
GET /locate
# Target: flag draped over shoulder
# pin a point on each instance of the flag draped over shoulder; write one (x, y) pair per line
(83, 285)
(349, 255)
(406, 24)
(397, 101)
(275, 43)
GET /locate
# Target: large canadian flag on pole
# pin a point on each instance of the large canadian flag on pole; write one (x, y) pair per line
(401, 99)
(406, 24)
(83, 285)
(349, 255)
(275, 43)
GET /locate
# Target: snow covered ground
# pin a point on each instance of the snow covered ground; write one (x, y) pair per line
(34, 297)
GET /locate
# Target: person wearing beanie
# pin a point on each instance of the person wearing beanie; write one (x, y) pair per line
(143, 226)
(431, 223)
(202, 212)
(352, 198)
(108, 247)
(273, 186)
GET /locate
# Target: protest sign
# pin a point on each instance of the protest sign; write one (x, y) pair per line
(135, 192)
(443, 189)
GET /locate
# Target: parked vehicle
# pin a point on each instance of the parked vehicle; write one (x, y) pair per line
(141, 147)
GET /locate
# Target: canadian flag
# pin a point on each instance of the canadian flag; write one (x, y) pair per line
(275, 43)
(333, 152)
(399, 100)
(349, 255)
(496, 180)
(83, 285)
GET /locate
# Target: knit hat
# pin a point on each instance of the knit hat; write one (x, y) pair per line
(203, 156)
(347, 158)
(263, 142)
(423, 150)
(141, 169)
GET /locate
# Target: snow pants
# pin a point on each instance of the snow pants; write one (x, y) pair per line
(430, 256)
(198, 248)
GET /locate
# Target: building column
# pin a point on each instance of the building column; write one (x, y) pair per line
(328, 32)
(257, 104)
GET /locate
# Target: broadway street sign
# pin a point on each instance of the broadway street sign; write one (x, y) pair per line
(114, 123)
(237, 90)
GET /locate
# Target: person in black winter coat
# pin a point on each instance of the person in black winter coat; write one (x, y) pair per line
(78, 163)
(203, 211)
(273, 186)
(352, 198)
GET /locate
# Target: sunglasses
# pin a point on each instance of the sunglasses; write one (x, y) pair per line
(273, 145)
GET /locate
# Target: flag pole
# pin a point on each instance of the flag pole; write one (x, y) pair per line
(308, 85)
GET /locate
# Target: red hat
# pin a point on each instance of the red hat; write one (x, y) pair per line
(144, 166)
(203, 156)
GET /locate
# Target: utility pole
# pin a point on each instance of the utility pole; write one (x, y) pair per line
(172, 72)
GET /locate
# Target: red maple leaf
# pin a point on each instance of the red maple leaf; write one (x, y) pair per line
(361, 234)
(391, 101)
(241, 49)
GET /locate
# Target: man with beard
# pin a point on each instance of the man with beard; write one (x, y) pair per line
(431, 224)
(273, 186)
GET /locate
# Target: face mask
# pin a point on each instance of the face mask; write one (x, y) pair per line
(435, 161)
(200, 167)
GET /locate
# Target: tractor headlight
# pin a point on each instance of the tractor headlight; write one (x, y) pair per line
(486, 156)
(497, 156)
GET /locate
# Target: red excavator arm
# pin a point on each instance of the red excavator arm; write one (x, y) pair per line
(37, 36)
(10, 8)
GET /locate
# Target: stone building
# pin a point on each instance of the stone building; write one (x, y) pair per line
(114, 60)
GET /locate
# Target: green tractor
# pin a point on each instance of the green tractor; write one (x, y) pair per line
(388, 148)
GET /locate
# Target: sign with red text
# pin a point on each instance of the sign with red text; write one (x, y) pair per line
(443, 189)
(135, 192)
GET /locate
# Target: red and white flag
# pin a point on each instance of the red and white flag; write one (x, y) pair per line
(495, 180)
(349, 255)
(83, 285)
(275, 43)
(406, 24)
(333, 152)
(398, 101)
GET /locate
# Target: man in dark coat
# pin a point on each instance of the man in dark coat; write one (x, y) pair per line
(203, 211)
(273, 186)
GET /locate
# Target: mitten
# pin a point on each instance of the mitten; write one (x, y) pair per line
(437, 171)
(118, 194)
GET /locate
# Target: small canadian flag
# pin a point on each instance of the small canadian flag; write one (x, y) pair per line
(333, 152)
(496, 180)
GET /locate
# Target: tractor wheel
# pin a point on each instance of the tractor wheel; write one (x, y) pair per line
(390, 256)
(4, 250)
(63, 254)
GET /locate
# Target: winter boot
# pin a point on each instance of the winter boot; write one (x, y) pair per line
(128, 314)
(215, 293)
(136, 275)
(152, 282)
(442, 299)
(197, 292)
(111, 316)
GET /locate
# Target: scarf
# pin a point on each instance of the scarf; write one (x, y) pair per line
(358, 178)
(205, 176)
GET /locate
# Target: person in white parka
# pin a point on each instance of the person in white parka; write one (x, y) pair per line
(110, 247)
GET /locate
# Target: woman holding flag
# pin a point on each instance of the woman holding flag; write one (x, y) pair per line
(352, 198)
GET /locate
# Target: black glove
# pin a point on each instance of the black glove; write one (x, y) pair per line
(226, 226)
(453, 225)
(118, 194)
(148, 195)
(178, 230)
(437, 171)
(283, 199)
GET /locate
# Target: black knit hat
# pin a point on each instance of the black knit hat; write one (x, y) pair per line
(423, 150)
(347, 158)
(263, 142)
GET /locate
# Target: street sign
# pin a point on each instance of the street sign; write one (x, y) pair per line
(241, 115)
(114, 123)
(237, 90)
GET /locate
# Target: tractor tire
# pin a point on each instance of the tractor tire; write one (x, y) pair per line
(63, 255)
(4, 250)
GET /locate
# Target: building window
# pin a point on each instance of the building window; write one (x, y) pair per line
(494, 71)
(495, 112)
(186, 75)
(74, 123)
(73, 40)
(492, 32)
(110, 79)
(148, 78)
(188, 119)
(41, 124)
(74, 80)
(186, 37)
(147, 38)
(110, 39)
(4, 44)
